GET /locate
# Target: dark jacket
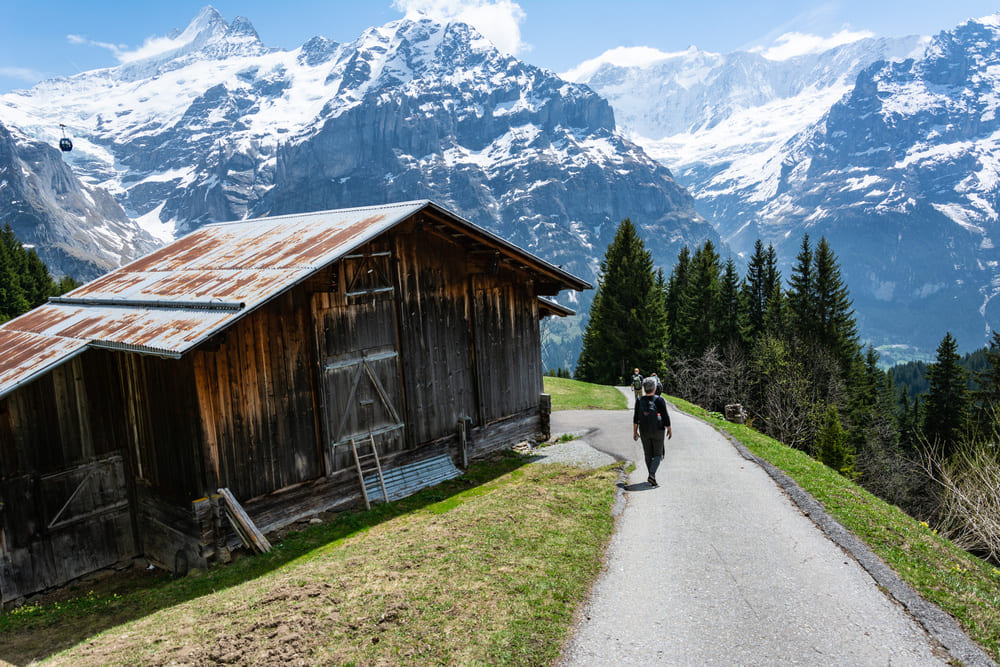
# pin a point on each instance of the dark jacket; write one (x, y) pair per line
(661, 408)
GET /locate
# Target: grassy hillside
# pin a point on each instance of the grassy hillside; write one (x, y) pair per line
(575, 395)
(487, 569)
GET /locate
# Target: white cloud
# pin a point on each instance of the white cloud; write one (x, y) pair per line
(622, 56)
(497, 20)
(23, 74)
(151, 47)
(793, 44)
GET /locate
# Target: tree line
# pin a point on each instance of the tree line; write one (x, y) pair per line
(788, 350)
(25, 281)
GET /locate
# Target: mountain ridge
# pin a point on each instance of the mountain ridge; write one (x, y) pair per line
(216, 126)
(892, 163)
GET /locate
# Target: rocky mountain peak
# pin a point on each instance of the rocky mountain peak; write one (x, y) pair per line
(215, 126)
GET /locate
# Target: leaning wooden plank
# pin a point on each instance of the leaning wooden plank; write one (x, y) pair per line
(246, 529)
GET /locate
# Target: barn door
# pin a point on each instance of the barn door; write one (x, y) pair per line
(59, 526)
(365, 393)
(359, 360)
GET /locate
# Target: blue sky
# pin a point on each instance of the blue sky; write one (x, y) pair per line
(47, 38)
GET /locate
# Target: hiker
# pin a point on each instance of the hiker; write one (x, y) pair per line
(651, 422)
(659, 385)
(637, 383)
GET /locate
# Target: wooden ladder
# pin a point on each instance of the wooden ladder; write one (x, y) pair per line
(368, 463)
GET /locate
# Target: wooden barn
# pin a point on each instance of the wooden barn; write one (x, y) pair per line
(265, 358)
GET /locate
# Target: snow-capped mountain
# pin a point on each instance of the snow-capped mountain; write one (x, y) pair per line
(885, 147)
(76, 227)
(222, 127)
(716, 119)
(219, 127)
(903, 177)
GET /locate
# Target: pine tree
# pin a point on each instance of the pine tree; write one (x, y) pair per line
(755, 291)
(947, 402)
(13, 263)
(66, 284)
(627, 326)
(25, 281)
(987, 396)
(762, 294)
(676, 287)
(831, 443)
(700, 304)
(801, 298)
(730, 303)
(39, 284)
(836, 328)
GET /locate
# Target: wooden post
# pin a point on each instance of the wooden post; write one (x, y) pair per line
(545, 416)
(463, 443)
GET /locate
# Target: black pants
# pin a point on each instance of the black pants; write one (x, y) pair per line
(652, 449)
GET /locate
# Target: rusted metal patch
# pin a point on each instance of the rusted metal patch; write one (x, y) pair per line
(27, 354)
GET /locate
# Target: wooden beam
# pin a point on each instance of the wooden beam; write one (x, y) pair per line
(243, 525)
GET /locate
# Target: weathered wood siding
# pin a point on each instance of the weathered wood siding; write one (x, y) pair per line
(470, 342)
(256, 394)
(64, 485)
(63, 418)
(435, 338)
(160, 408)
(360, 377)
(508, 345)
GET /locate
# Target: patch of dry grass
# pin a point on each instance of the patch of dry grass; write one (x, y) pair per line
(488, 575)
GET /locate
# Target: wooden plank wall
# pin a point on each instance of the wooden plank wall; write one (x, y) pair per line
(63, 418)
(64, 497)
(503, 433)
(435, 338)
(355, 319)
(508, 345)
(256, 392)
(161, 411)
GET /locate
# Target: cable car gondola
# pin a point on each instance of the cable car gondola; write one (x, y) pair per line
(65, 144)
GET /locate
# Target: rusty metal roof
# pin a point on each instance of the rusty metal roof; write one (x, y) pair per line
(169, 301)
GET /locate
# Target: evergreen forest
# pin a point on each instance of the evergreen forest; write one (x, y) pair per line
(921, 436)
(25, 281)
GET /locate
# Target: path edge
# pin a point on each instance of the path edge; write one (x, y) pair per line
(938, 623)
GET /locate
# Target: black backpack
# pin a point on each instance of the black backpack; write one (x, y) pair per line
(649, 417)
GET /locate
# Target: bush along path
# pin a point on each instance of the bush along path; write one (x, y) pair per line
(718, 566)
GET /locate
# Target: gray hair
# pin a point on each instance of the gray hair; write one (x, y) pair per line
(649, 385)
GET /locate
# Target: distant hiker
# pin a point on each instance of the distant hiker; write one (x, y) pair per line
(659, 385)
(651, 422)
(637, 383)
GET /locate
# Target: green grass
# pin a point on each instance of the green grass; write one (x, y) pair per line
(487, 569)
(965, 586)
(575, 395)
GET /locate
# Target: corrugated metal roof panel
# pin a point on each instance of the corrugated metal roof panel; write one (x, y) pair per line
(173, 299)
(26, 355)
(165, 331)
(406, 480)
(246, 261)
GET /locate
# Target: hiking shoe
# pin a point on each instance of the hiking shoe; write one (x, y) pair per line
(652, 480)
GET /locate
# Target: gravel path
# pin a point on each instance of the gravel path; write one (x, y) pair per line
(717, 566)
